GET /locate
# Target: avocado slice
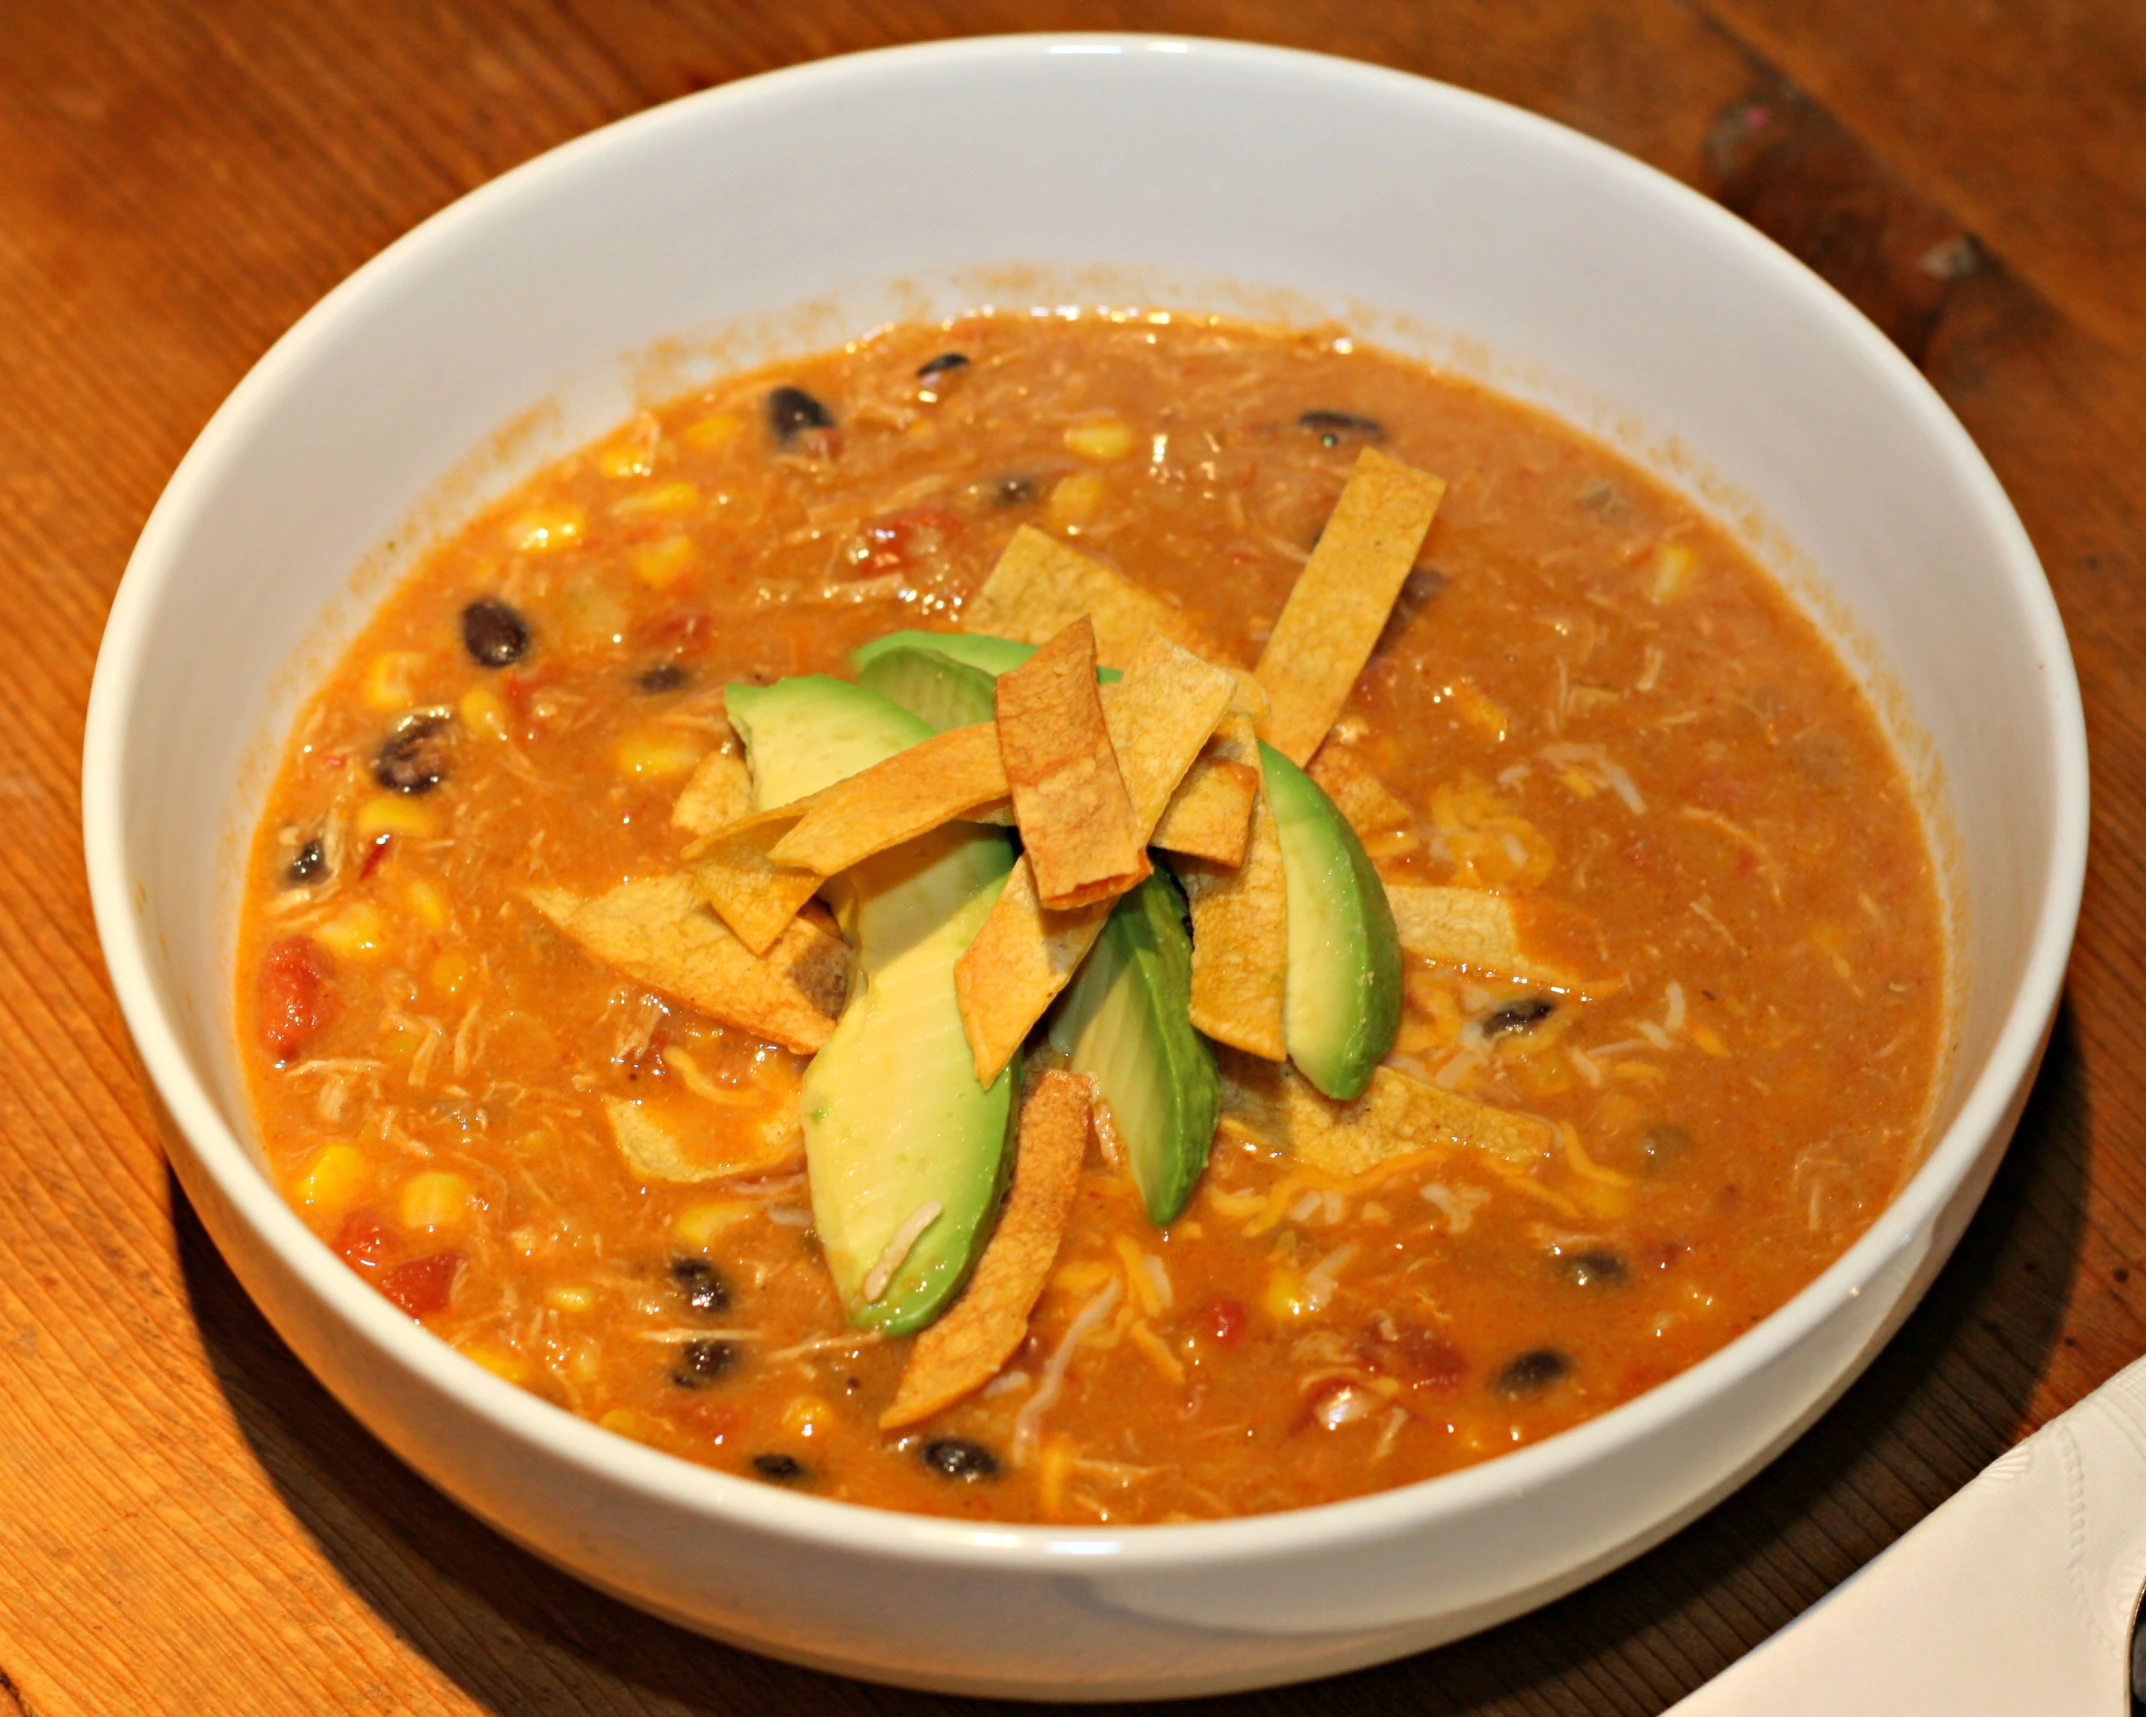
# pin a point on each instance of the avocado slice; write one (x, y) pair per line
(933, 687)
(978, 650)
(1125, 1022)
(893, 1115)
(810, 731)
(1342, 993)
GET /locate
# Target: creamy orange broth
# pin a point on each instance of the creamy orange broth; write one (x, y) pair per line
(1589, 698)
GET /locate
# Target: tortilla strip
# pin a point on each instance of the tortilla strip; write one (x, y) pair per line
(939, 780)
(1395, 1115)
(1069, 800)
(1382, 821)
(1210, 814)
(719, 794)
(656, 1152)
(1495, 933)
(658, 933)
(1334, 615)
(1040, 587)
(1159, 716)
(1240, 940)
(970, 1345)
(736, 873)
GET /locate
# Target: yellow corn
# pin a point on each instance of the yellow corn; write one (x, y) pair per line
(426, 903)
(698, 1224)
(498, 1361)
(358, 932)
(651, 755)
(569, 1297)
(1285, 1297)
(1708, 1039)
(484, 711)
(807, 1416)
(396, 814)
(435, 1198)
(1074, 500)
(664, 499)
(547, 528)
(451, 971)
(624, 459)
(660, 565)
(390, 679)
(624, 1422)
(1104, 440)
(334, 1179)
(1670, 571)
(714, 433)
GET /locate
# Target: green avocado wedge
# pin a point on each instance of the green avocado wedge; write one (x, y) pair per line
(1342, 991)
(978, 650)
(809, 732)
(895, 1121)
(1125, 1023)
(930, 686)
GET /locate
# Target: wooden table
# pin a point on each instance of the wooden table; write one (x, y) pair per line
(189, 1524)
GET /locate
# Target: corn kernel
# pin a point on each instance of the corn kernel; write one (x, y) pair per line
(451, 971)
(625, 1422)
(657, 756)
(391, 679)
(807, 1416)
(623, 459)
(660, 565)
(498, 1361)
(435, 1198)
(663, 500)
(698, 1224)
(548, 528)
(395, 814)
(1074, 500)
(569, 1297)
(426, 903)
(1286, 1298)
(333, 1179)
(714, 433)
(358, 932)
(1105, 440)
(1708, 1039)
(485, 712)
(1671, 568)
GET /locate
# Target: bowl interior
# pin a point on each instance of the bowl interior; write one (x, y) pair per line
(1039, 171)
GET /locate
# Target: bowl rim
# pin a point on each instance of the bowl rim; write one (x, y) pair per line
(672, 1482)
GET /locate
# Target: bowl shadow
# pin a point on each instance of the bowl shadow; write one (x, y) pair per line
(1952, 1391)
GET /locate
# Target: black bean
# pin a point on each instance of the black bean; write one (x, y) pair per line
(1663, 1145)
(308, 864)
(942, 363)
(1593, 1270)
(1522, 1015)
(958, 1458)
(663, 677)
(792, 411)
(701, 1283)
(1532, 1372)
(783, 1469)
(494, 633)
(703, 1362)
(414, 758)
(1014, 491)
(1331, 427)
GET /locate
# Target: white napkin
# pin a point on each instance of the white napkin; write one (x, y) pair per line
(2015, 1599)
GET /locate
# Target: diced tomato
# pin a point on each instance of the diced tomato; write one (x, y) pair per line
(897, 541)
(423, 1285)
(683, 632)
(1226, 1319)
(296, 995)
(374, 854)
(363, 1240)
(1426, 1361)
(717, 1420)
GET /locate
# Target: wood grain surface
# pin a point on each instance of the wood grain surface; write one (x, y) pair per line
(187, 1522)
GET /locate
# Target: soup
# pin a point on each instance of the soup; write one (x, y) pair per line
(1612, 999)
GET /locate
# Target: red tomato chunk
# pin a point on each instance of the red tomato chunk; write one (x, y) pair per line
(424, 1285)
(297, 995)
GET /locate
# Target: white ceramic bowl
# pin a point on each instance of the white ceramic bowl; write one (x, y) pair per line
(921, 180)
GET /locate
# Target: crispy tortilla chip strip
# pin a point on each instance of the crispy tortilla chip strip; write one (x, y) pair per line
(1382, 821)
(940, 780)
(658, 933)
(657, 1150)
(1159, 716)
(719, 794)
(1040, 587)
(969, 1346)
(736, 873)
(1069, 800)
(1210, 814)
(1395, 1115)
(1334, 616)
(1240, 940)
